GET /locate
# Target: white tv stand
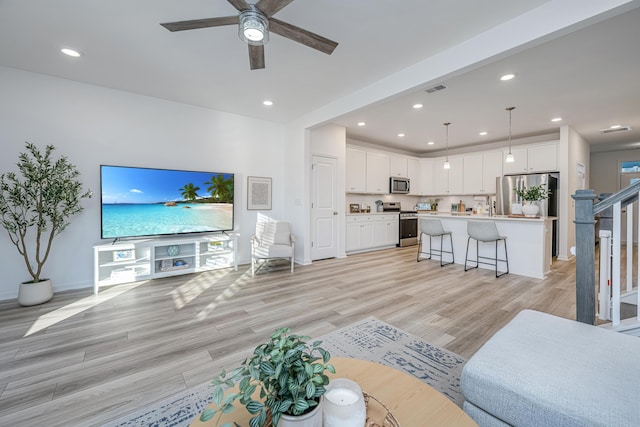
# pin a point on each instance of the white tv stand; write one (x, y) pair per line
(131, 261)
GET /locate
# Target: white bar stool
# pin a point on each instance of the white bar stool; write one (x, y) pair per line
(433, 228)
(486, 232)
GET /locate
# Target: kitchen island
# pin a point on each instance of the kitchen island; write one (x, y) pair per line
(529, 241)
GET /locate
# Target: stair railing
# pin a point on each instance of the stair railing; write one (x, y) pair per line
(586, 210)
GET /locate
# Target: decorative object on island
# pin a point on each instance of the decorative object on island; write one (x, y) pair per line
(173, 250)
(43, 198)
(509, 158)
(290, 374)
(532, 194)
(344, 404)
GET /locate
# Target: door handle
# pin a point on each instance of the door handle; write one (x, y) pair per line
(335, 213)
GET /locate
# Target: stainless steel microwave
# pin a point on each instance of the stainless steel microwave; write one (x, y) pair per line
(398, 185)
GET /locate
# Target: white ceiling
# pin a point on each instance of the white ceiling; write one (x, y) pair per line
(590, 77)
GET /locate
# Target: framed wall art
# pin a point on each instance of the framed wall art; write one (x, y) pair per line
(258, 193)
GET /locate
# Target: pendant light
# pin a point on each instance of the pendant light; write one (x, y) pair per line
(509, 158)
(446, 162)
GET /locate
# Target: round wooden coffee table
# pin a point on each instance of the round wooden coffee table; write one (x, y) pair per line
(413, 402)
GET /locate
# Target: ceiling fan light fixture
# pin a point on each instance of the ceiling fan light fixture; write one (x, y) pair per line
(253, 28)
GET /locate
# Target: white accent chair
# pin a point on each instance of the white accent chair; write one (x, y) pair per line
(273, 239)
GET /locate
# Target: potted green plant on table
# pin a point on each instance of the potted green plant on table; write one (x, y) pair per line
(290, 375)
(535, 193)
(35, 206)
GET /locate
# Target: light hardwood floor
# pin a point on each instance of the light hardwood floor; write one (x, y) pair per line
(82, 359)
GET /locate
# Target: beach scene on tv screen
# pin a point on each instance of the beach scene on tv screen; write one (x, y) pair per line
(147, 202)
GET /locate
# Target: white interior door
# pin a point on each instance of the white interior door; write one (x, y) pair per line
(324, 209)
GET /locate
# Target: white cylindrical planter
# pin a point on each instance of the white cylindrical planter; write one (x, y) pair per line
(31, 293)
(530, 209)
(344, 404)
(310, 419)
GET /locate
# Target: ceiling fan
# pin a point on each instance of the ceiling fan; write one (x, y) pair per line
(254, 23)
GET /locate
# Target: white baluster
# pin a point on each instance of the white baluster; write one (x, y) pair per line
(604, 296)
(629, 278)
(615, 276)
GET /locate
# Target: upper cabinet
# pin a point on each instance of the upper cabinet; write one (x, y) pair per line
(448, 181)
(413, 173)
(480, 172)
(425, 182)
(532, 159)
(356, 173)
(377, 173)
(398, 167)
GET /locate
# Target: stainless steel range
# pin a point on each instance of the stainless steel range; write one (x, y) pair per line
(408, 223)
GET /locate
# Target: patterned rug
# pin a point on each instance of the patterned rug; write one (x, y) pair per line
(369, 339)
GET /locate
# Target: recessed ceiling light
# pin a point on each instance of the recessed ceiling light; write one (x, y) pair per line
(507, 77)
(614, 127)
(430, 143)
(417, 106)
(483, 133)
(556, 119)
(267, 103)
(70, 52)
(401, 135)
(361, 123)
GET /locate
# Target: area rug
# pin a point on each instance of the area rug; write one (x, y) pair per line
(369, 339)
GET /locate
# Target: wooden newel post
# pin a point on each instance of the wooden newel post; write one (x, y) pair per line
(585, 257)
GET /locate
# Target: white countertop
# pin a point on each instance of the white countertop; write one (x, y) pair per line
(373, 213)
(481, 217)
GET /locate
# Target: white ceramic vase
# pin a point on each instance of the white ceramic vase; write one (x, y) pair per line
(530, 209)
(31, 293)
(310, 419)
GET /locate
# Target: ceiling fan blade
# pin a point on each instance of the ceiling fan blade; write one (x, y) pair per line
(300, 35)
(271, 7)
(256, 57)
(240, 4)
(200, 23)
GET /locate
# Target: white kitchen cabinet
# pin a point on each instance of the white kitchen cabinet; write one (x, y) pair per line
(413, 173)
(473, 173)
(532, 159)
(448, 181)
(480, 172)
(491, 169)
(369, 232)
(543, 158)
(398, 166)
(386, 230)
(377, 173)
(426, 181)
(356, 170)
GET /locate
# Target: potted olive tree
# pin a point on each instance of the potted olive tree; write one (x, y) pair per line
(535, 193)
(35, 206)
(290, 375)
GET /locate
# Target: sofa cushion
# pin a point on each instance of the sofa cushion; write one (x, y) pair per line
(543, 370)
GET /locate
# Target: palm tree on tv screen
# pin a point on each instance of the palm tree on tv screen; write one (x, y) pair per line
(220, 188)
(189, 192)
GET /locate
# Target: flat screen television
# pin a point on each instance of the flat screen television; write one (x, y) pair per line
(140, 202)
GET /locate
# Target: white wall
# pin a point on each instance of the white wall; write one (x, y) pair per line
(605, 169)
(573, 149)
(93, 125)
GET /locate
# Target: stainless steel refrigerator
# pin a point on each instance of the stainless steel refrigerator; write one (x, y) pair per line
(506, 196)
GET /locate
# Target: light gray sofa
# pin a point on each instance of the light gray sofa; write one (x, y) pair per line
(543, 370)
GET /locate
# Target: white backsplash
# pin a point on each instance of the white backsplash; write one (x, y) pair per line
(409, 202)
